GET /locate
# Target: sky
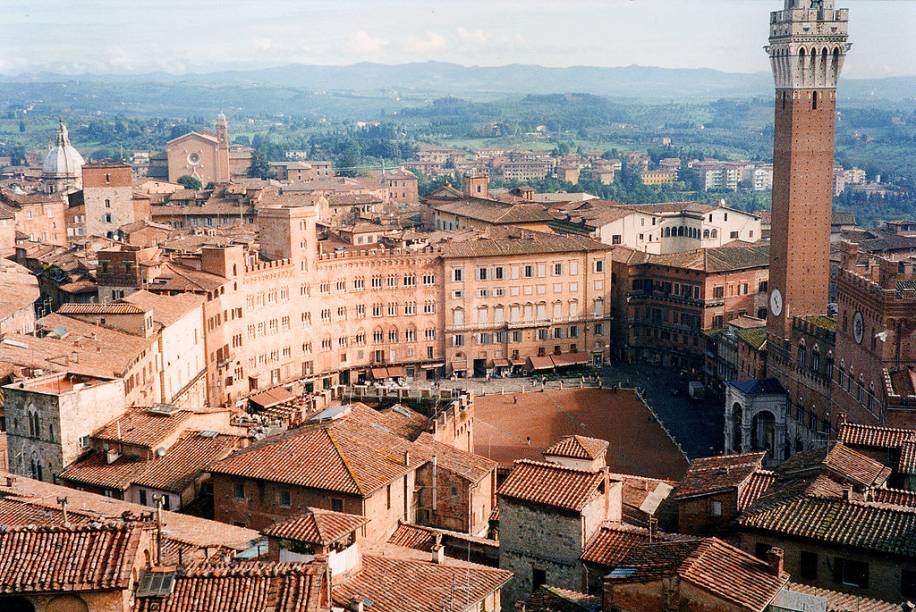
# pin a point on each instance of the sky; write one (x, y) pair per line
(181, 36)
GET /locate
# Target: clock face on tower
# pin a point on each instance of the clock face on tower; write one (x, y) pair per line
(858, 327)
(776, 302)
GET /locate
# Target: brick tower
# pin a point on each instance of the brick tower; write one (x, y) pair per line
(807, 48)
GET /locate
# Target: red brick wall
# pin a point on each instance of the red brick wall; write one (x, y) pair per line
(802, 197)
(106, 176)
(694, 514)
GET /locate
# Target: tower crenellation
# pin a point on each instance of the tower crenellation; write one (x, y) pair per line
(808, 44)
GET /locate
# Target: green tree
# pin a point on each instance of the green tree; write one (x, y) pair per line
(259, 167)
(189, 182)
(21, 126)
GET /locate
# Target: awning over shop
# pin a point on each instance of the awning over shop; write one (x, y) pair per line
(501, 363)
(397, 372)
(460, 366)
(379, 373)
(518, 361)
(540, 362)
(271, 397)
(432, 366)
(569, 359)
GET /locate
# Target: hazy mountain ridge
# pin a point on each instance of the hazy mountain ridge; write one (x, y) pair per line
(633, 82)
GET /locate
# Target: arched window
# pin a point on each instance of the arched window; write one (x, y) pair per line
(814, 101)
(666, 232)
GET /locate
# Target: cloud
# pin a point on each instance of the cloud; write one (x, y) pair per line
(430, 41)
(363, 42)
(472, 36)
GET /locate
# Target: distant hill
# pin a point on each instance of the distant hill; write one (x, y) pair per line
(433, 78)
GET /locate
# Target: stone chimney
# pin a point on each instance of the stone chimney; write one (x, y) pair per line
(775, 560)
(438, 554)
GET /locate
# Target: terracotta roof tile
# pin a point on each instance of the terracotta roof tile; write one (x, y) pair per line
(39, 559)
(578, 447)
(316, 527)
(876, 527)
(642, 497)
(713, 474)
(167, 309)
(42, 498)
(413, 536)
(95, 471)
(244, 587)
(844, 602)
(758, 484)
(709, 564)
(843, 463)
(554, 599)
(551, 485)
(140, 427)
(853, 434)
(347, 455)
(114, 308)
(185, 461)
(469, 466)
(525, 243)
(398, 584)
(613, 541)
(907, 463)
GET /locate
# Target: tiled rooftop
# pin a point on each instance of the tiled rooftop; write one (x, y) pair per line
(243, 587)
(402, 580)
(469, 466)
(347, 455)
(39, 559)
(613, 541)
(167, 309)
(710, 564)
(713, 474)
(41, 497)
(550, 484)
(578, 447)
(140, 427)
(316, 526)
(524, 243)
(874, 527)
(873, 436)
(844, 602)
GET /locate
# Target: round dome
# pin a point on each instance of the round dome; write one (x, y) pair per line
(63, 159)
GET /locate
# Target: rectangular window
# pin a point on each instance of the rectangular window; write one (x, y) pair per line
(850, 573)
(808, 565)
(457, 275)
(239, 490)
(284, 498)
(336, 504)
(715, 508)
(908, 583)
(538, 577)
(599, 265)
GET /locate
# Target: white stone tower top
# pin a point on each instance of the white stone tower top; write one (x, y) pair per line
(808, 44)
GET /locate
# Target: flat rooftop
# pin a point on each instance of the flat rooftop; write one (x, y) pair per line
(638, 444)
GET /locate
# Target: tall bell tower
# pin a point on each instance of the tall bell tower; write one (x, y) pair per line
(807, 49)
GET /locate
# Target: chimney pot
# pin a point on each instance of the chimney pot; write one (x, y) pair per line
(438, 554)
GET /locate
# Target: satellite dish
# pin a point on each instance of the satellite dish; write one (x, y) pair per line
(160, 452)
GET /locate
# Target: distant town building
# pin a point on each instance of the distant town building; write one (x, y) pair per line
(61, 171)
(208, 157)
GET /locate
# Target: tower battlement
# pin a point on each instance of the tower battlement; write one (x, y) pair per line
(808, 44)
